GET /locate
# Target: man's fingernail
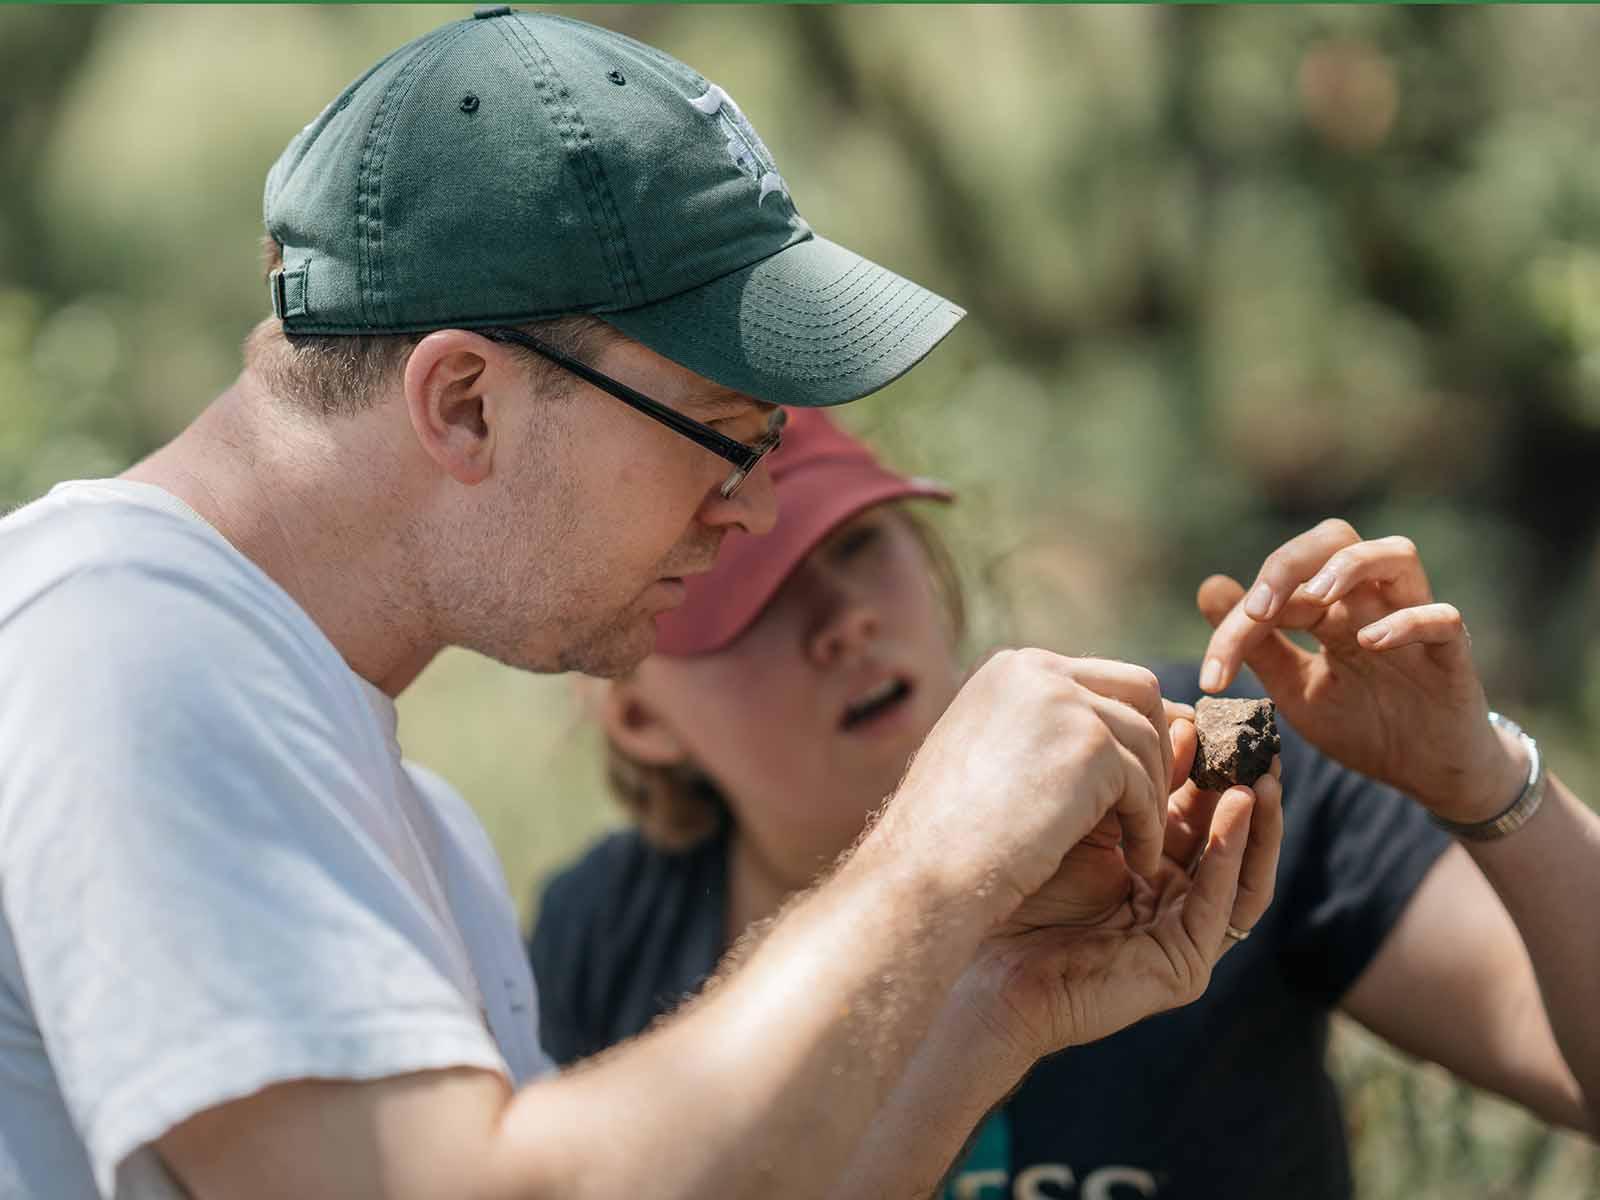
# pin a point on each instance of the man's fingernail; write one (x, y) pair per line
(1376, 634)
(1260, 602)
(1210, 675)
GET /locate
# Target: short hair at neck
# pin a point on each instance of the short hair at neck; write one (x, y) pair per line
(336, 375)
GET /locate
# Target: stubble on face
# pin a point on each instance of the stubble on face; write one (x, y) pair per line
(610, 651)
(546, 572)
(549, 592)
(613, 645)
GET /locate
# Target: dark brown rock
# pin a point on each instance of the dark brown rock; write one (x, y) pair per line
(1237, 741)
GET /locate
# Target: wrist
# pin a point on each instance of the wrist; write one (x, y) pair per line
(923, 888)
(1523, 806)
(1489, 787)
(948, 880)
(983, 1022)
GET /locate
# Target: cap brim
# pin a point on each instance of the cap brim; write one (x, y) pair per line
(810, 326)
(750, 569)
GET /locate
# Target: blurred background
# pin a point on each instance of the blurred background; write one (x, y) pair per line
(1229, 271)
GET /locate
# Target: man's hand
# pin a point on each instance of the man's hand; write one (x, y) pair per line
(1054, 776)
(1392, 691)
(1097, 949)
(1035, 752)
(1093, 879)
(1093, 947)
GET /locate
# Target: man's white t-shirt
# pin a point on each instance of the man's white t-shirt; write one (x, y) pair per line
(216, 871)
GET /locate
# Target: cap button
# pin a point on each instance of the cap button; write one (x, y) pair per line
(498, 10)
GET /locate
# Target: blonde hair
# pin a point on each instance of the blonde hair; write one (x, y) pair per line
(678, 807)
(342, 374)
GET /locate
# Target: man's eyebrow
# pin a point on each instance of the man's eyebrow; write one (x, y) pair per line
(712, 405)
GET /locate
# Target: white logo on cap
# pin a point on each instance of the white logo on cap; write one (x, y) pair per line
(745, 146)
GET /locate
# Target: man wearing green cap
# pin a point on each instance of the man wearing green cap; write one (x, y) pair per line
(539, 293)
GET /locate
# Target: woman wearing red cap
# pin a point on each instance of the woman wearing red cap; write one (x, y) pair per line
(797, 679)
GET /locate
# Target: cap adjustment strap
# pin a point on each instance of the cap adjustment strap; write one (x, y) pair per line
(288, 290)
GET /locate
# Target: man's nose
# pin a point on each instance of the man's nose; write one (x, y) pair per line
(753, 508)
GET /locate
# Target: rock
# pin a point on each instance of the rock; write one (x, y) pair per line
(1237, 741)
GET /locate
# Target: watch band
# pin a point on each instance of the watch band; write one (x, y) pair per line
(1517, 813)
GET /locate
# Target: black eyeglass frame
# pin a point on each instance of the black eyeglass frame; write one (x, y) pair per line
(744, 456)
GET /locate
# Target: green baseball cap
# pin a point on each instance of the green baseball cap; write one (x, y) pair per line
(517, 166)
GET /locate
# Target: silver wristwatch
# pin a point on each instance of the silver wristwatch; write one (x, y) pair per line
(1517, 813)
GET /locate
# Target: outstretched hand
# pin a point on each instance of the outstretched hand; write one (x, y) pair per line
(1391, 691)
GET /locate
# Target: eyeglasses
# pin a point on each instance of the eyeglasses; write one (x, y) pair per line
(743, 456)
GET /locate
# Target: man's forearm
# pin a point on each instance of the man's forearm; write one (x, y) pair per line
(959, 1073)
(765, 1086)
(1548, 876)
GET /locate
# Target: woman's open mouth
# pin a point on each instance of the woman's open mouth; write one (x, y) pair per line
(873, 705)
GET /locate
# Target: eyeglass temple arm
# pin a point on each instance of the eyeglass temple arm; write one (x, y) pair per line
(734, 451)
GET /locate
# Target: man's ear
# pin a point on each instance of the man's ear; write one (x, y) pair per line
(635, 727)
(455, 383)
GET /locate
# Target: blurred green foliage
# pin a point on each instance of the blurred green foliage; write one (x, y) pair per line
(1230, 270)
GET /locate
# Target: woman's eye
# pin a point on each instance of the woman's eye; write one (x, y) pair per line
(857, 540)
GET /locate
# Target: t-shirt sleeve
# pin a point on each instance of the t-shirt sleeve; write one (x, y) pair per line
(1359, 850)
(189, 868)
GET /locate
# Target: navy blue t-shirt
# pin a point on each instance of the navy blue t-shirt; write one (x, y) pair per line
(1225, 1099)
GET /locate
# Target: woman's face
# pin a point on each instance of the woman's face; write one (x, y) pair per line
(807, 721)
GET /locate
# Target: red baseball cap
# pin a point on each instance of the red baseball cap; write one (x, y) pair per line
(823, 477)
